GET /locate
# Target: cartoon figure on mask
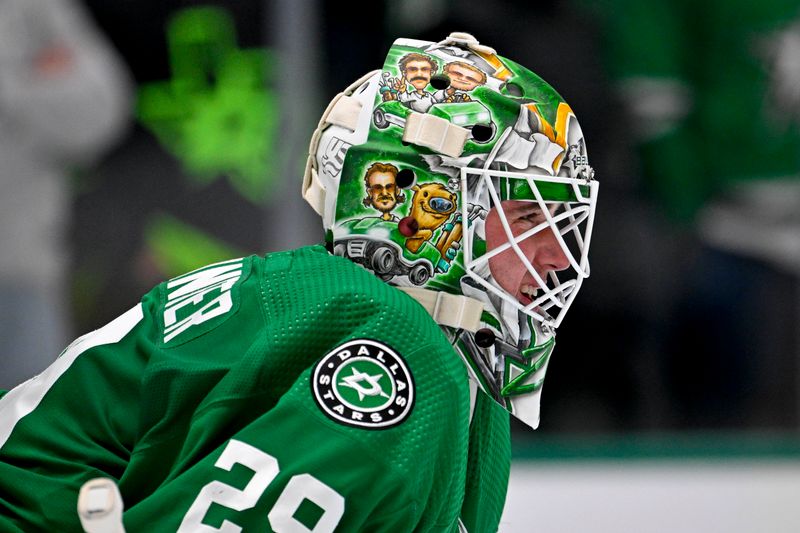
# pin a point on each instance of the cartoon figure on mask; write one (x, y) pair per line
(417, 70)
(431, 205)
(463, 78)
(380, 181)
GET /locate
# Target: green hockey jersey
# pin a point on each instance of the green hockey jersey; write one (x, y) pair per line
(292, 392)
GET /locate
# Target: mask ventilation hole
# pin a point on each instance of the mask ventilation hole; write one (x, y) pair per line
(512, 89)
(405, 178)
(484, 338)
(481, 133)
(440, 82)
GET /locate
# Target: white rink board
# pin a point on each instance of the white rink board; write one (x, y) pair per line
(649, 496)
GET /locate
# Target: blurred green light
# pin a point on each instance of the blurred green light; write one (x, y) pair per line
(217, 114)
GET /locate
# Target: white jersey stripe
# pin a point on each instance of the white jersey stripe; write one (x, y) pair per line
(23, 399)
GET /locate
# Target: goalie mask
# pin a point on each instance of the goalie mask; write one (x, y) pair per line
(462, 178)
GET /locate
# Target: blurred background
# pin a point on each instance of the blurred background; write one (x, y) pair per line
(142, 138)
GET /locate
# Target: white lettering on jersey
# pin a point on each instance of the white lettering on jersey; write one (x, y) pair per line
(199, 296)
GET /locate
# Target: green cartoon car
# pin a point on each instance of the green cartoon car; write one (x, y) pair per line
(473, 116)
(379, 246)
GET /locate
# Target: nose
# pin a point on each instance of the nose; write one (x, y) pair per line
(549, 255)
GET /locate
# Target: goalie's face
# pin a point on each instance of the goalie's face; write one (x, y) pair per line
(541, 249)
(536, 234)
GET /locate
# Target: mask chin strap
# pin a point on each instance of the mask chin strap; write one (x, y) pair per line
(452, 310)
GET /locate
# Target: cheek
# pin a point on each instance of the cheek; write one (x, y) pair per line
(505, 267)
(507, 270)
(493, 230)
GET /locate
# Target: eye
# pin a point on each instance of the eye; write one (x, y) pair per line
(440, 204)
(531, 216)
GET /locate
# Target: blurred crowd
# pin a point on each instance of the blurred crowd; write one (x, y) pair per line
(64, 98)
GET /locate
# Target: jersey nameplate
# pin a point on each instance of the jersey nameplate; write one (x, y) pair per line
(199, 296)
(364, 383)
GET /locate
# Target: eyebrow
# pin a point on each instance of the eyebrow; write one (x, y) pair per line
(523, 214)
(522, 207)
(526, 208)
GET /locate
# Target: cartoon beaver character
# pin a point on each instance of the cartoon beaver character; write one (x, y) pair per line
(431, 205)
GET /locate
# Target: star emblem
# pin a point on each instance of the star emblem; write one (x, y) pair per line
(519, 374)
(355, 380)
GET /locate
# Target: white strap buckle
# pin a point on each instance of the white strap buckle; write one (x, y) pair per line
(435, 133)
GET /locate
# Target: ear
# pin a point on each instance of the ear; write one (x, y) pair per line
(415, 187)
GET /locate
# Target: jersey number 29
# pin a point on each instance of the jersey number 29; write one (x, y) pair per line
(281, 518)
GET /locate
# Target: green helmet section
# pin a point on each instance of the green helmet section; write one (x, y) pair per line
(413, 229)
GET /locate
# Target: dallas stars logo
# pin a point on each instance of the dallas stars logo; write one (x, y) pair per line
(354, 382)
(364, 383)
